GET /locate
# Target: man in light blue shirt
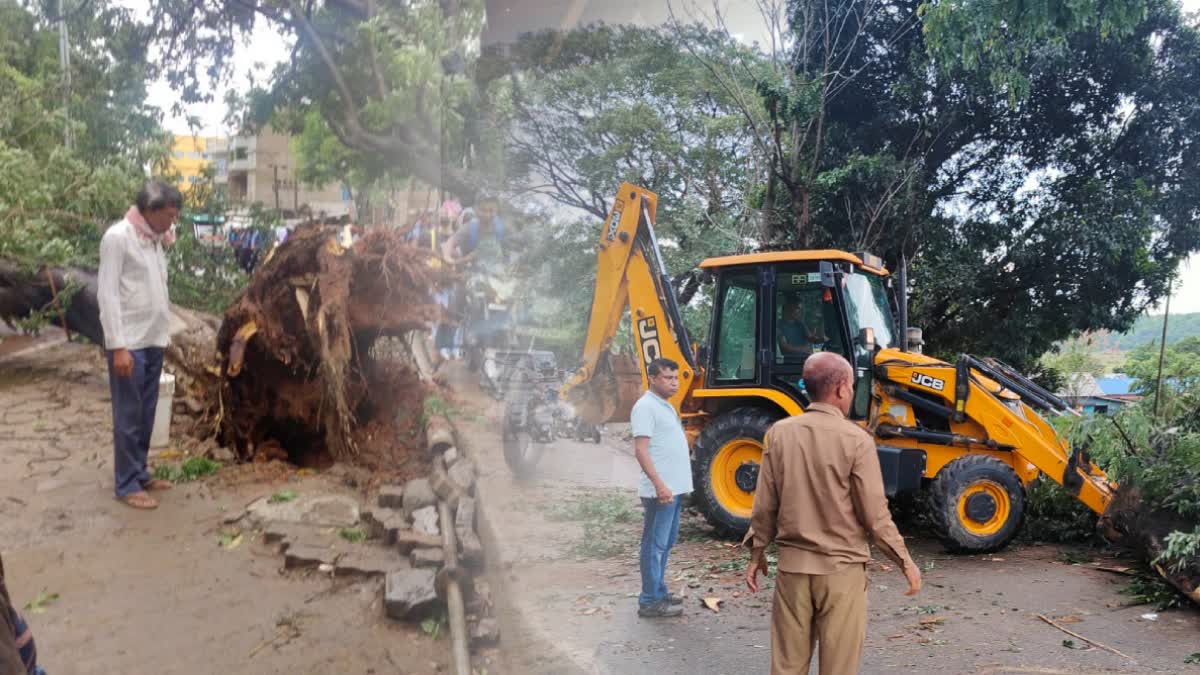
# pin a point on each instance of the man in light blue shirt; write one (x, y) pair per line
(661, 449)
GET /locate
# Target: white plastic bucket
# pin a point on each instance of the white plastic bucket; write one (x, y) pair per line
(160, 437)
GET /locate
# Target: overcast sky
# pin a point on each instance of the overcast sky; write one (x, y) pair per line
(509, 17)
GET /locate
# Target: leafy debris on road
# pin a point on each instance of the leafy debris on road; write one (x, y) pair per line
(283, 496)
(39, 604)
(229, 539)
(191, 469)
(712, 603)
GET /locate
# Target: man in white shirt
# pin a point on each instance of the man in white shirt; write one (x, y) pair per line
(135, 312)
(661, 449)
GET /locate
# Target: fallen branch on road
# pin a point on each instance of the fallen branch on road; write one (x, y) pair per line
(1090, 641)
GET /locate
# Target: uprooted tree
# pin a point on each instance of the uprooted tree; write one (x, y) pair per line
(314, 359)
(301, 374)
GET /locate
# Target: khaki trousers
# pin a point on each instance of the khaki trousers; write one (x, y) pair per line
(827, 608)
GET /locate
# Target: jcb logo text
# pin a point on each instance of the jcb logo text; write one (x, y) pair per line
(648, 336)
(928, 381)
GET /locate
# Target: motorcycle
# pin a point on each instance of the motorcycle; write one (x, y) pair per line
(488, 326)
(534, 416)
(531, 413)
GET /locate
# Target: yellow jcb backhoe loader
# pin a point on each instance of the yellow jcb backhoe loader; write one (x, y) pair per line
(969, 432)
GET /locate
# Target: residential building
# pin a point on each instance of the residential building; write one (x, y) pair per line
(1098, 396)
(260, 167)
(188, 158)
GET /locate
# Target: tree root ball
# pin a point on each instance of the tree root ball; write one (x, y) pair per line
(300, 372)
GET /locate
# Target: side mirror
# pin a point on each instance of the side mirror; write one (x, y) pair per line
(866, 338)
(828, 280)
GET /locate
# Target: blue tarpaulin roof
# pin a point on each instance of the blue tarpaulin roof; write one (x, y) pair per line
(1116, 385)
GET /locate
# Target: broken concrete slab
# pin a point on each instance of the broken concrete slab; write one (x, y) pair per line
(470, 546)
(410, 594)
(471, 549)
(464, 516)
(462, 474)
(284, 534)
(384, 524)
(479, 596)
(319, 511)
(425, 520)
(370, 562)
(428, 557)
(485, 632)
(391, 497)
(300, 556)
(372, 521)
(407, 540)
(417, 495)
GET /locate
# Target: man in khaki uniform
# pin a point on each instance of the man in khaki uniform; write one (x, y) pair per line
(820, 497)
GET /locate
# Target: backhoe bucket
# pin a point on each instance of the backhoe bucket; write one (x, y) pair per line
(610, 393)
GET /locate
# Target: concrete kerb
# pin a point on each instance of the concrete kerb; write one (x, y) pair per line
(517, 613)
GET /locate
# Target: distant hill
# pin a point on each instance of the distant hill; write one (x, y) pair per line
(1148, 329)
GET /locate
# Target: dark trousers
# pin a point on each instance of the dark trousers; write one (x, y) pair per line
(133, 402)
(660, 529)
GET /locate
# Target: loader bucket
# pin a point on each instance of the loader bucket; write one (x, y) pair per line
(611, 392)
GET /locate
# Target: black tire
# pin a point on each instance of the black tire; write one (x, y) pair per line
(733, 518)
(521, 454)
(998, 514)
(521, 451)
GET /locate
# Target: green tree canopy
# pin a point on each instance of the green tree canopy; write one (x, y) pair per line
(1027, 218)
(56, 200)
(390, 79)
(1180, 369)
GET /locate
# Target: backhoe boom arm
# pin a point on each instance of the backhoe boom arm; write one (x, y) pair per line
(629, 274)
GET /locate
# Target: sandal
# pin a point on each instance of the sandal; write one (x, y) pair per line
(139, 500)
(157, 485)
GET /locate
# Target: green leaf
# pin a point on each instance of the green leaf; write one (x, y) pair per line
(283, 496)
(40, 603)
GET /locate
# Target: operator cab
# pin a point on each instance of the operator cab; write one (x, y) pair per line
(771, 311)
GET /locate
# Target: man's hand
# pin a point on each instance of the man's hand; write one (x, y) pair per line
(757, 564)
(914, 579)
(663, 492)
(122, 363)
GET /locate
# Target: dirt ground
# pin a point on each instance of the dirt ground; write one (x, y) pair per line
(155, 592)
(571, 534)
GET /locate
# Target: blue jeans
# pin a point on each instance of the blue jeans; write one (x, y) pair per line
(134, 400)
(660, 529)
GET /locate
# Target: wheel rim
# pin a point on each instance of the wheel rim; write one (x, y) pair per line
(984, 526)
(724, 470)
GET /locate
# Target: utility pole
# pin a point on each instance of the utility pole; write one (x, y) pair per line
(1162, 348)
(275, 184)
(64, 64)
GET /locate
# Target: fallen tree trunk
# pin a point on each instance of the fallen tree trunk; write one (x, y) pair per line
(1129, 522)
(24, 292)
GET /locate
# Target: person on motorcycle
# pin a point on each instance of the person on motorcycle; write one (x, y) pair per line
(478, 248)
(479, 241)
